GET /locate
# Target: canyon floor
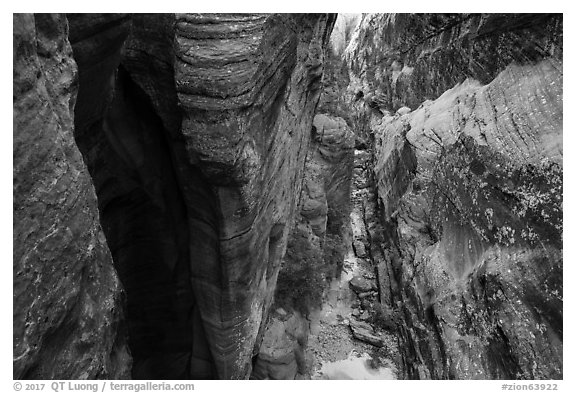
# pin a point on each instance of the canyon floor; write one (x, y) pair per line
(336, 353)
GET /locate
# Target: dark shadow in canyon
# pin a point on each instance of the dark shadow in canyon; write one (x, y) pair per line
(130, 156)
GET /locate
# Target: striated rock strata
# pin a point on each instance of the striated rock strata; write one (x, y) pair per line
(469, 188)
(194, 129)
(404, 59)
(127, 129)
(248, 86)
(315, 251)
(68, 302)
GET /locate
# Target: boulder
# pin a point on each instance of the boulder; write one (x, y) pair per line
(403, 111)
(359, 249)
(360, 285)
(363, 331)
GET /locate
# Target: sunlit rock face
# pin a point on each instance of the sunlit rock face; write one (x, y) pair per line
(194, 129)
(469, 185)
(68, 304)
(342, 32)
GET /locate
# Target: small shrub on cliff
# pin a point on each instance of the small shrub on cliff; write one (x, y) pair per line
(301, 280)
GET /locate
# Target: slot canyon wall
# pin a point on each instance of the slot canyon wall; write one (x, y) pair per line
(179, 177)
(315, 249)
(184, 137)
(464, 113)
(68, 305)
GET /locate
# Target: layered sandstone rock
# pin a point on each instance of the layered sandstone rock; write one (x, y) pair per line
(315, 251)
(127, 126)
(470, 189)
(479, 220)
(68, 303)
(405, 59)
(194, 129)
(248, 85)
(328, 177)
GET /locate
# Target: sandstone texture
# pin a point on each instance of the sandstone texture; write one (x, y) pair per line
(281, 354)
(127, 126)
(479, 217)
(401, 60)
(469, 186)
(194, 129)
(328, 177)
(315, 248)
(248, 86)
(68, 303)
(176, 177)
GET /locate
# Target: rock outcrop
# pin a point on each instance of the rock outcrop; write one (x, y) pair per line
(194, 129)
(365, 332)
(404, 59)
(469, 187)
(315, 252)
(343, 29)
(68, 302)
(282, 352)
(248, 85)
(127, 126)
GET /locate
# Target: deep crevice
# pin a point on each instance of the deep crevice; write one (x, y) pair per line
(147, 226)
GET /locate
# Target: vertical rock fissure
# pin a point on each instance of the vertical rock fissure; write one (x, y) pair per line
(152, 234)
(145, 222)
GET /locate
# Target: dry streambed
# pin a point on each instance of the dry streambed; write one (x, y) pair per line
(344, 343)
